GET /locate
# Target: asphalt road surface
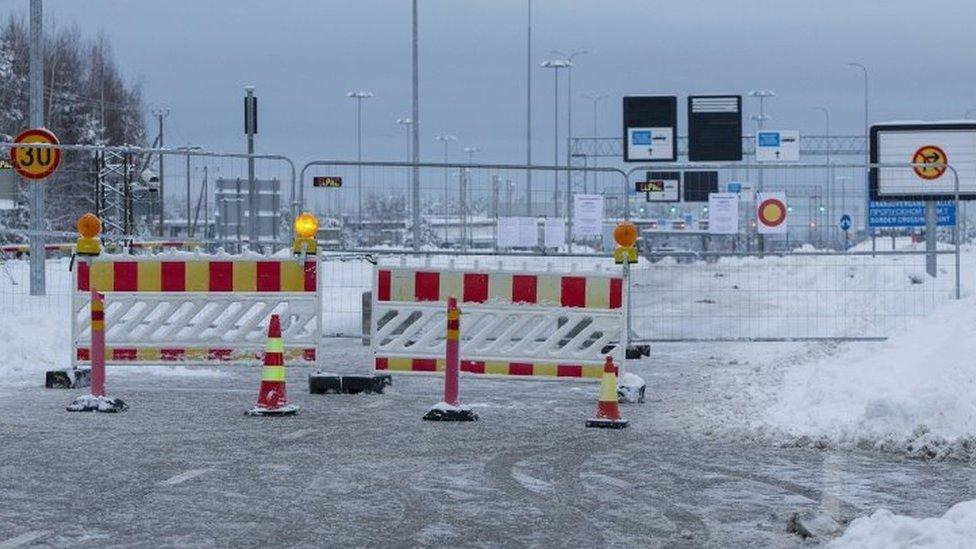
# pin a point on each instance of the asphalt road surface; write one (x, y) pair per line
(185, 467)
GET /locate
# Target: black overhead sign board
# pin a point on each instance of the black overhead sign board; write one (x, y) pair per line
(697, 185)
(650, 128)
(714, 128)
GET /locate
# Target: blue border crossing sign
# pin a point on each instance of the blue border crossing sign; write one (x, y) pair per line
(886, 215)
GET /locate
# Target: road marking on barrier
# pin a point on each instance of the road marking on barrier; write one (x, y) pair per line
(298, 434)
(23, 539)
(185, 476)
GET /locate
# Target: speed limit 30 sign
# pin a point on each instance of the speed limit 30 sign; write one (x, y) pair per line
(35, 163)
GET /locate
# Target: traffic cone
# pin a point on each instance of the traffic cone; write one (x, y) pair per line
(271, 397)
(607, 411)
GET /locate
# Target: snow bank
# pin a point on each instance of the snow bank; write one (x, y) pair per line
(913, 393)
(35, 337)
(883, 529)
(31, 342)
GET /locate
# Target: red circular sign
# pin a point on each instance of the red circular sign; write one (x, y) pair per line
(772, 212)
(930, 154)
(35, 163)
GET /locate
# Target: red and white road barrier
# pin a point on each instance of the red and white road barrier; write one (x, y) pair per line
(540, 325)
(165, 309)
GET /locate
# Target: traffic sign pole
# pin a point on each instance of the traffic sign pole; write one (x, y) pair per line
(931, 227)
(251, 128)
(37, 214)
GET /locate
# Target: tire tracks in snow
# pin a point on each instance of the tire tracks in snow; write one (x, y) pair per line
(814, 495)
(562, 513)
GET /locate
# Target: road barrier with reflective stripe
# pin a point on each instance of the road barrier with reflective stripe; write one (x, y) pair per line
(516, 324)
(199, 309)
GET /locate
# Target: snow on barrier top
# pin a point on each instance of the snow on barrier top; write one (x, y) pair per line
(540, 325)
(198, 309)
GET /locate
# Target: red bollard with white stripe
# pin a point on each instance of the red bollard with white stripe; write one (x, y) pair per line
(97, 401)
(450, 409)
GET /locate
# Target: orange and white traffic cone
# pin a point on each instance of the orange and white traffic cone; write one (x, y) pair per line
(607, 411)
(271, 397)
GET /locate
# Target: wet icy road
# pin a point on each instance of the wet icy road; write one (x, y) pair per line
(184, 467)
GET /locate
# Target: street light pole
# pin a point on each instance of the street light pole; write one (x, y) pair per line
(528, 111)
(829, 190)
(359, 96)
(407, 123)
(762, 95)
(595, 99)
(189, 200)
(555, 64)
(415, 135)
(867, 153)
(465, 188)
(569, 116)
(446, 138)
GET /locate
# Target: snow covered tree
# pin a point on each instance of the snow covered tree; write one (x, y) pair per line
(86, 101)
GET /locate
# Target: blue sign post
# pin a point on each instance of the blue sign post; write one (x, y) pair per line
(888, 215)
(845, 222)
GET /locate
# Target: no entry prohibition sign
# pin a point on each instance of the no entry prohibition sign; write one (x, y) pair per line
(771, 213)
(930, 154)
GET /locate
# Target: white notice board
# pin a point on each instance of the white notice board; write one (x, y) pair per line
(723, 213)
(554, 232)
(588, 215)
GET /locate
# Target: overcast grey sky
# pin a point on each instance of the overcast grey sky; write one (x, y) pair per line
(303, 55)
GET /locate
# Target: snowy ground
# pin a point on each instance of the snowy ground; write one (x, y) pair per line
(733, 439)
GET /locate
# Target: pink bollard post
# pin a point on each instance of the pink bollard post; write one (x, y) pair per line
(451, 409)
(97, 401)
(453, 360)
(97, 344)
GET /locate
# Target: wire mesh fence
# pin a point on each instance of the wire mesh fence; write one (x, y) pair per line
(814, 277)
(797, 296)
(139, 194)
(459, 205)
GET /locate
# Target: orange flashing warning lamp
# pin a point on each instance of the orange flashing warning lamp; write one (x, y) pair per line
(306, 228)
(625, 234)
(89, 226)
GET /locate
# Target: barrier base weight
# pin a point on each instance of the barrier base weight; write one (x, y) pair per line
(289, 410)
(321, 383)
(68, 378)
(607, 423)
(634, 352)
(445, 412)
(92, 403)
